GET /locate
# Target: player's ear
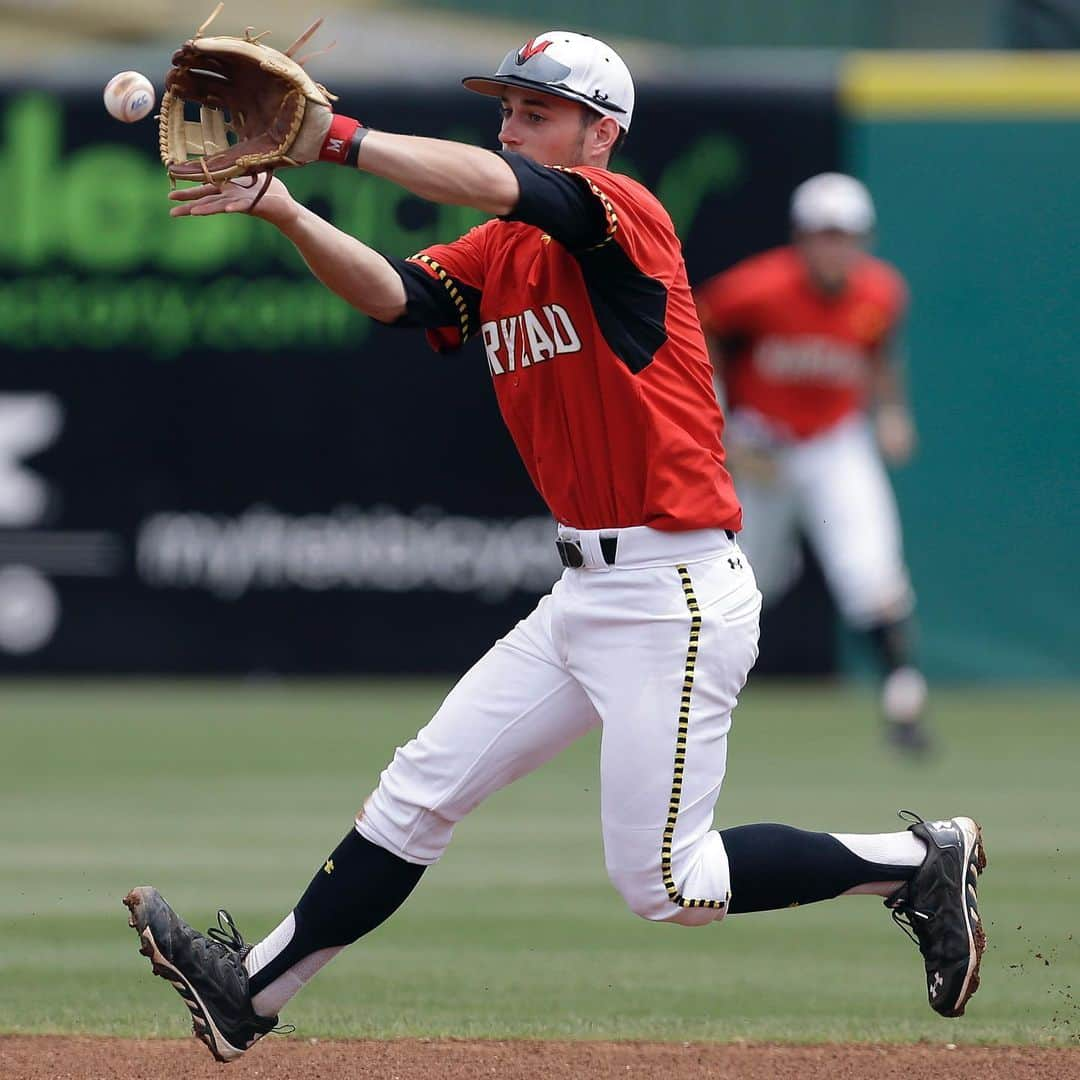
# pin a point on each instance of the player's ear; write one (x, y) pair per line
(605, 133)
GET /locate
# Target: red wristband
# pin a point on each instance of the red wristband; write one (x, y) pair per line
(339, 139)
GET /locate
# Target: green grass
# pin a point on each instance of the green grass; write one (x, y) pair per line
(232, 794)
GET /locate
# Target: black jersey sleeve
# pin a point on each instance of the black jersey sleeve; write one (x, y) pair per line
(560, 202)
(430, 302)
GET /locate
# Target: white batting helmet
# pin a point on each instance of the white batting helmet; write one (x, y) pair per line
(567, 65)
(832, 201)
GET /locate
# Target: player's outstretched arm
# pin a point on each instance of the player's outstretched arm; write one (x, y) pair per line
(441, 171)
(435, 169)
(356, 272)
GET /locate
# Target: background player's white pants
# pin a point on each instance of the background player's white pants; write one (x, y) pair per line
(833, 488)
(654, 649)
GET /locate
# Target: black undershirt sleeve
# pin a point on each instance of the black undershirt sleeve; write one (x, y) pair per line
(428, 301)
(561, 203)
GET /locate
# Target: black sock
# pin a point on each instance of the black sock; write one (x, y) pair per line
(892, 643)
(358, 887)
(776, 866)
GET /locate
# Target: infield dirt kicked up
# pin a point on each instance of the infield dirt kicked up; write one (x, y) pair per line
(38, 1057)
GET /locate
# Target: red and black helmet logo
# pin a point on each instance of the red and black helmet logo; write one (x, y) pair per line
(530, 49)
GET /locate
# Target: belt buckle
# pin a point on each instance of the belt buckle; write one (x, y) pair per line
(570, 553)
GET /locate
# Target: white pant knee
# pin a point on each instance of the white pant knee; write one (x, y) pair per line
(880, 595)
(691, 890)
(402, 815)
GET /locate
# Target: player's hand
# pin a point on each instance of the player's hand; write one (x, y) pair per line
(234, 196)
(895, 434)
(746, 461)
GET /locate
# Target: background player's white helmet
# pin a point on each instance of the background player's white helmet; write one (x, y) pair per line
(832, 201)
(567, 65)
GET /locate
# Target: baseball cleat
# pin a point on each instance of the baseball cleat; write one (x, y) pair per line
(908, 736)
(903, 701)
(939, 910)
(206, 971)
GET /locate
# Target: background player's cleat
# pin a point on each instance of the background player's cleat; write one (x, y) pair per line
(207, 972)
(903, 701)
(908, 736)
(939, 910)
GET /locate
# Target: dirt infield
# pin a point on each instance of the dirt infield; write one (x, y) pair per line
(82, 1058)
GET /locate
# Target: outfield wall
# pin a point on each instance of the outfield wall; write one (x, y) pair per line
(974, 163)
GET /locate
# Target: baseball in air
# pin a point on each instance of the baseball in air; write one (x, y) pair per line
(129, 96)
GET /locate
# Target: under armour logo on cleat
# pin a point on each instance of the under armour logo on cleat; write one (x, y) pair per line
(329, 867)
(936, 983)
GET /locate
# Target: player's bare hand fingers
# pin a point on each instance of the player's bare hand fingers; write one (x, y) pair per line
(189, 211)
(211, 206)
(208, 204)
(187, 194)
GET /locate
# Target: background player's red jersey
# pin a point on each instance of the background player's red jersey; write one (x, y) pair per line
(597, 356)
(795, 355)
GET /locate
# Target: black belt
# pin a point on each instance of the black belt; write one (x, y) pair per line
(571, 555)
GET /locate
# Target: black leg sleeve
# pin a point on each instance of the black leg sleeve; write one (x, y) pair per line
(776, 866)
(358, 887)
(892, 642)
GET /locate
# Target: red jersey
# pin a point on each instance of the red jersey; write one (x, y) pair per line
(799, 357)
(597, 356)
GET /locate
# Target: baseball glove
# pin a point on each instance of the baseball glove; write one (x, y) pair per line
(259, 110)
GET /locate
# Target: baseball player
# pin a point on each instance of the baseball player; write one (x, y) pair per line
(800, 338)
(576, 293)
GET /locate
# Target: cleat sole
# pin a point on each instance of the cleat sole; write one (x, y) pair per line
(217, 1044)
(975, 860)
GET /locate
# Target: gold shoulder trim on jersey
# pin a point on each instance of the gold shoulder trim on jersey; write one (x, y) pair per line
(454, 291)
(681, 735)
(611, 217)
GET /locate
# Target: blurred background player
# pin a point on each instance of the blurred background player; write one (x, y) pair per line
(802, 341)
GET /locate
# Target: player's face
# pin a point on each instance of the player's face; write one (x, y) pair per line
(830, 255)
(543, 127)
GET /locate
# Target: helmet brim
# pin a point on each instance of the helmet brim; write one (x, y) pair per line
(495, 86)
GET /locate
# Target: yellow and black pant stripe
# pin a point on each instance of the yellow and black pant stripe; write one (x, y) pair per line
(681, 736)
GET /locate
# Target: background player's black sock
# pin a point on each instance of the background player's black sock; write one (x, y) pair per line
(892, 642)
(777, 866)
(358, 887)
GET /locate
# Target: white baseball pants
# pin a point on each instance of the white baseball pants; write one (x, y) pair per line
(655, 650)
(835, 489)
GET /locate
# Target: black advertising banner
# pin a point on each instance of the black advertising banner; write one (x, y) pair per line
(209, 463)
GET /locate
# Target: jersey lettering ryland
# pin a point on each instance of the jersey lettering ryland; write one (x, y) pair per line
(528, 338)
